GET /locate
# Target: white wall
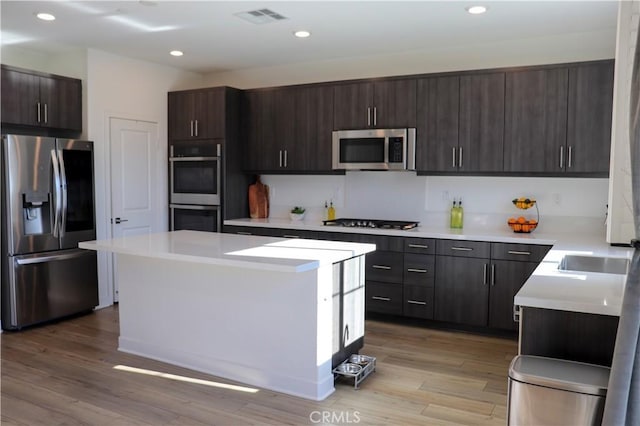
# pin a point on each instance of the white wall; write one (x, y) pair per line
(131, 89)
(405, 196)
(505, 53)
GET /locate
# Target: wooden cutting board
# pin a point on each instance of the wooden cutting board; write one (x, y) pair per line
(258, 200)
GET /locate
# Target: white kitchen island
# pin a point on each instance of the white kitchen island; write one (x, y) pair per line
(267, 312)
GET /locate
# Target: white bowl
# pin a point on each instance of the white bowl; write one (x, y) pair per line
(296, 216)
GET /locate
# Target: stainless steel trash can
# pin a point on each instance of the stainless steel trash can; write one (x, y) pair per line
(548, 391)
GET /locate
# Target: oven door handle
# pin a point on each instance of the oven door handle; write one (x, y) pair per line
(173, 159)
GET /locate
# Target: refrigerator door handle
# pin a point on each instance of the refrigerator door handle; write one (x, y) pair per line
(44, 259)
(63, 181)
(57, 184)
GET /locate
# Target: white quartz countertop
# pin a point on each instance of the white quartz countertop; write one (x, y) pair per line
(548, 287)
(422, 231)
(266, 253)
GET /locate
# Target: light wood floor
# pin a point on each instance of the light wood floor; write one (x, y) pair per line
(64, 374)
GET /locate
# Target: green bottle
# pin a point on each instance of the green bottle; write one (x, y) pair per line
(453, 215)
(459, 215)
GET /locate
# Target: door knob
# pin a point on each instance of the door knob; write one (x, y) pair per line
(118, 220)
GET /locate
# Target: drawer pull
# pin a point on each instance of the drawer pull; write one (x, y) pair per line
(420, 271)
(291, 236)
(243, 233)
(384, 299)
(416, 302)
(422, 246)
(523, 253)
(387, 268)
(461, 248)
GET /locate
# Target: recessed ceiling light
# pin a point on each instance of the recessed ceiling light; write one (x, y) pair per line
(176, 53)
(302, 34)
(476, 10)
(46, 16)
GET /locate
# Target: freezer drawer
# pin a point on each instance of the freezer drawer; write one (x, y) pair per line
(47, 286)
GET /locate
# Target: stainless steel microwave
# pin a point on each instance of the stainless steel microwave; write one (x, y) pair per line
(374, 149)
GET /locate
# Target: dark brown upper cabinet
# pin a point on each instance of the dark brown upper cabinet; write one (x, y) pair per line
(535, 120)
(379, 104)
(197, 114)
(313, 125)
(481, 129)
(269, 129)
(589, 118)
(43, 100)
(438, 102)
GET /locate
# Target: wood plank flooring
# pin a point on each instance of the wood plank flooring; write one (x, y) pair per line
(64, 373)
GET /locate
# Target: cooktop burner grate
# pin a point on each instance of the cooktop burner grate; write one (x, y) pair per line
(372, 223)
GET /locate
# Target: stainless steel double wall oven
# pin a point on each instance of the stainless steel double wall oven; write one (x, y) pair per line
(195, 182)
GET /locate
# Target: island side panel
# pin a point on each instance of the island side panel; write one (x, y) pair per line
(263, 328)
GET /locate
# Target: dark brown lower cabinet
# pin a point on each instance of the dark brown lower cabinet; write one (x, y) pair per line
(507, 277)
(418, 301)
(462, 290)
(383, 298)
(575, 336)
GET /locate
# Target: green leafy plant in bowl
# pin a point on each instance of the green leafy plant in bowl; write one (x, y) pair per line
(297, 213)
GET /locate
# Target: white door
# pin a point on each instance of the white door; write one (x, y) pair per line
(134, 204)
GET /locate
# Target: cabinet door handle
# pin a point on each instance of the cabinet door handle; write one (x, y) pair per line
(280, 159)
(285, 158)
(460, 157)
(569, 156)
(384, 299)
(484, 274)
(522, 253)
(453, 162)
(375, 116)
(416, 302)
(461, 248)
(381, 267)
(422, 246)
(419, 271)
(191, 128)
(493, 274)
(46, 113)
(368, 116)
(196, 128)
(38, 111)
(562, 157)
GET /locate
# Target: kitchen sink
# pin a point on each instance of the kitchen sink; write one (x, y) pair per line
(607, 265)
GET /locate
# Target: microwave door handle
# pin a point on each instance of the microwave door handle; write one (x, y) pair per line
(63, 180)
(56, 193)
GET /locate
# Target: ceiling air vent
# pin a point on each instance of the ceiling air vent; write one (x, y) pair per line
(260, 16)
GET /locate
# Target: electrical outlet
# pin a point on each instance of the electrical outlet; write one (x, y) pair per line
(445, 196)
(555, 197)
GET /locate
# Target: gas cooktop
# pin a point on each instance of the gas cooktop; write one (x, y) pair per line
(372, 223)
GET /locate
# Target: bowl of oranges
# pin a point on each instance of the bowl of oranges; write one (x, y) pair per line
(521, 224)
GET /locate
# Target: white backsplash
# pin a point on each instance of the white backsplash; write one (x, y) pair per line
(406, 196)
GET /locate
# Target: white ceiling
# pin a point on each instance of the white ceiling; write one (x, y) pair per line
(214, 39)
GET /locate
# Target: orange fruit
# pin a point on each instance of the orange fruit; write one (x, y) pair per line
(512, 220)
(533, 221)
(521, 219)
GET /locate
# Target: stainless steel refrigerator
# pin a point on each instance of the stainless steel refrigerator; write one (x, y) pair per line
(47, 208)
